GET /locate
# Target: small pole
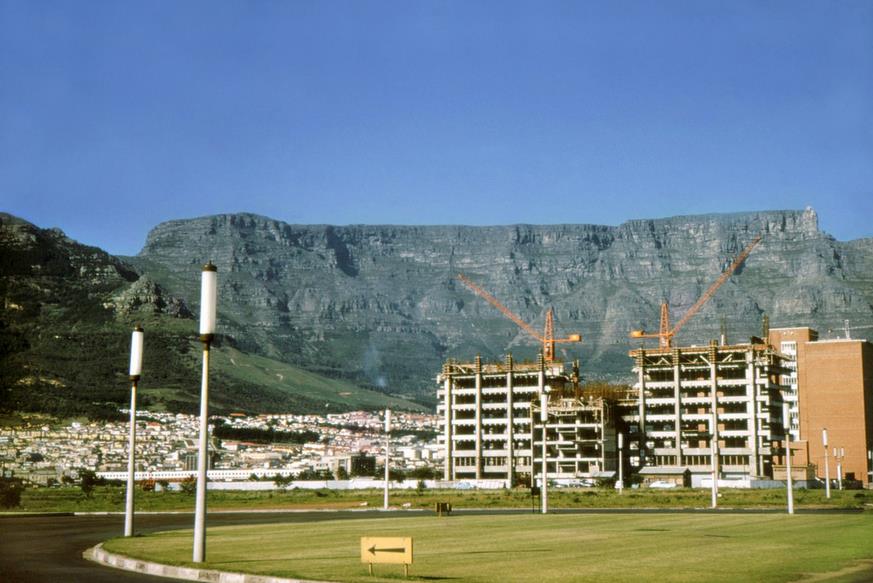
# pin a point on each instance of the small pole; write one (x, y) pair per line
(208, 300)
(824, 440)
(789, 482)
(620, 464)
(714, 458)
(387, 452)
(544, 416)
(840, 467)
(136, 346)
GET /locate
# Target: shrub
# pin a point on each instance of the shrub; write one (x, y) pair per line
(10, 492)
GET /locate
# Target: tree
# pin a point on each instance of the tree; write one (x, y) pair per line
(188, 485)
(281, 481)
(342, 473)
(423, 473)
(87, 481)
(10, 492)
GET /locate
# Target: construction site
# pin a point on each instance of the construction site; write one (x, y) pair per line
(722, 411)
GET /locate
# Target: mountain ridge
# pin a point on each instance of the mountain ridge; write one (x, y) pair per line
(380, 307)
(359, 298)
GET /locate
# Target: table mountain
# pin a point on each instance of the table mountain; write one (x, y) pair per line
(381, 305)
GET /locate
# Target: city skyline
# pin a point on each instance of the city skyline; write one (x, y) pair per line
(116, 117)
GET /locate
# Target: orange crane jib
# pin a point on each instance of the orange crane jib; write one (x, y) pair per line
(547, 337)
(665, 334)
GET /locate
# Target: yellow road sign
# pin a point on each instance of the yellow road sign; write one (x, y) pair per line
(386, 549)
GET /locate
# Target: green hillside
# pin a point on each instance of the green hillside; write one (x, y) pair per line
(65, 320)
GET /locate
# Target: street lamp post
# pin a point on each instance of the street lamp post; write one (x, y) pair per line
(789, 481)
(620, 483)
(544, 417)
(387, 452)
(208, 301)
(136, 346)
(713, 450)
(842, 454)
(824, 440)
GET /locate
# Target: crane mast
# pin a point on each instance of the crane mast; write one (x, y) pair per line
(547, 338)
(665, 334)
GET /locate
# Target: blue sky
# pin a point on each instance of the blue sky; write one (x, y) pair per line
(115, 116)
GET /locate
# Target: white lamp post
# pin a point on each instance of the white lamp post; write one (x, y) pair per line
(620, 483)
(789, 482)
(136, 346)
(208, 301)
(839, 455)
(824, 440)
(713, 449)
(387, 453)
(544, 417)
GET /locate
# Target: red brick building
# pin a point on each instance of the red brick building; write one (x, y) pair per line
(834, 390)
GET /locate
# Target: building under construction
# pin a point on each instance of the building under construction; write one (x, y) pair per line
(492, 428)
(701, 406)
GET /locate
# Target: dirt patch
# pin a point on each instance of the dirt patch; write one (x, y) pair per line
(854, 573)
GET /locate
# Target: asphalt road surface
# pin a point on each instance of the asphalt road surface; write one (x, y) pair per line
(48, 549)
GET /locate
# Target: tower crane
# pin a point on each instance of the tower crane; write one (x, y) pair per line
(665, 334)
(547, 337)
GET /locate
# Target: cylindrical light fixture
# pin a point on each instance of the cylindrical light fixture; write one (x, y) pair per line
(136, 346)
(208, 300)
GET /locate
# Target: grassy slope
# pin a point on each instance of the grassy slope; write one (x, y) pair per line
(274, 376)
(533, 548)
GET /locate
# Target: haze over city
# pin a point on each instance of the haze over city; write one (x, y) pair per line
(117, 116)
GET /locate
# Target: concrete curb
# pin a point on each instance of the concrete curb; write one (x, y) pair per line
(34, 514)
(98, 555)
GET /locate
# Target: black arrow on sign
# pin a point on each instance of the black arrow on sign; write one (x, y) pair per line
(373, 550)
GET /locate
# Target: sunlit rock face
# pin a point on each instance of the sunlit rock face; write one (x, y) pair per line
(382, 305)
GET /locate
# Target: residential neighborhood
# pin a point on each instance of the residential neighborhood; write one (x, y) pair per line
(44, 453)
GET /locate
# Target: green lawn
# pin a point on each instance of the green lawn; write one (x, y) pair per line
(111, 498)
(533, 548)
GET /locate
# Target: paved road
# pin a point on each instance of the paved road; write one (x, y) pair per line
(49, 549)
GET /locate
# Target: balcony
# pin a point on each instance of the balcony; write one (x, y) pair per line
(696, 400)
(662, 434)
(696, 384)
(654, 417)
(653, 401)
(733, 416)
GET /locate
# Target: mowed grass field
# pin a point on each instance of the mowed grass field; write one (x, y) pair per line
(672, 547)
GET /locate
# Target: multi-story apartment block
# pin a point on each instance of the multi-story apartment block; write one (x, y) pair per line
(581, 438)
(703, 404)
(486, 409)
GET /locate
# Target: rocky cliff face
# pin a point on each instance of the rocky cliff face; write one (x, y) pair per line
(381, 304)
(66, 311)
